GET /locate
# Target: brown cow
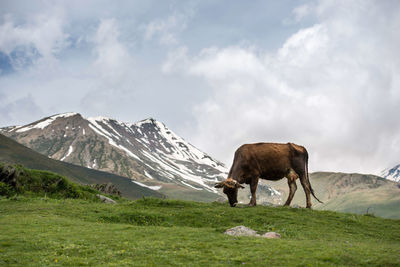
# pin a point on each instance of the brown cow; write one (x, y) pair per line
(269, 161)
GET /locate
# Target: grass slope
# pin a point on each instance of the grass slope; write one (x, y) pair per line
(175, 191)
(15, 153)
(154, 232)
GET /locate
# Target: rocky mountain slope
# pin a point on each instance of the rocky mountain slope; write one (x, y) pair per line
(392, 173)
(147, 151)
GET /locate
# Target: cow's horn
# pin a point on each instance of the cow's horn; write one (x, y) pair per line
(229, 182)
(239, 185)
(220, 184)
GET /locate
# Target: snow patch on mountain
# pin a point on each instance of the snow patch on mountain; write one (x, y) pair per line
(190, 185)
(94, 122)
(70, 150)
(155, 187)
(45, 122)
(392, 173)
(101, 131)
(148, 175)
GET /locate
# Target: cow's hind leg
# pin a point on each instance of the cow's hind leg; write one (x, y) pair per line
(253, 189)
(306, 187)
(291, 176)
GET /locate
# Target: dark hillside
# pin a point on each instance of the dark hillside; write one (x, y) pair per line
(15, 153)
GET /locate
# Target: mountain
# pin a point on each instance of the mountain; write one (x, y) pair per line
(348, 192)
(148, 152)
(14, 153)
(392, 173)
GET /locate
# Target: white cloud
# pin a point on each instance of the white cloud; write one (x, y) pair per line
(227, 63)
(333, 87)
(177, 60)
(168, 29)
(113, 61)
(94, 83)
(22, 107)
(302, 11)
(38, 37)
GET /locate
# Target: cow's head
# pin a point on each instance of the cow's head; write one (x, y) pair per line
(230, 189)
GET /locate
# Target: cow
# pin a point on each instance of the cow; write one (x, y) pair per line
(269, 161)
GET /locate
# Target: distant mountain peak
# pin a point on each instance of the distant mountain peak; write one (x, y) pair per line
(100, 118)
(148, 121)
(43, 123)
(67, 114)
(392, 173)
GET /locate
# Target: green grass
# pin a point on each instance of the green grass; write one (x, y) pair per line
(154, 232)
(175, 191)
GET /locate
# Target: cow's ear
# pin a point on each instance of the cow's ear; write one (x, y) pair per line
(239, 185)
(220, 184)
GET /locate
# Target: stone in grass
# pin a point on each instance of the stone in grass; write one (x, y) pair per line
(241, 231)
(245, 231)
(271, 235)
(106, 199)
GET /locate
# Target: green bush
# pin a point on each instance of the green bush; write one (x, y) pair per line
(6, 190)
(15, 179)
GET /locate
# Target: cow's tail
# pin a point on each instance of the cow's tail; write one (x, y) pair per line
(307, 176)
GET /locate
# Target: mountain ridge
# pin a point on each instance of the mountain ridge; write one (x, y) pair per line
(146, 151)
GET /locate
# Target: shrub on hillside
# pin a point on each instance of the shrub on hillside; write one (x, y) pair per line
(5, 189)
(15, 179)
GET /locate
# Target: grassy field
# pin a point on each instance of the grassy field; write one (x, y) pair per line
(154, 232)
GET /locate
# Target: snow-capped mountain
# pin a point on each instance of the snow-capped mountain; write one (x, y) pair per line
(146, 151)
(392, 173)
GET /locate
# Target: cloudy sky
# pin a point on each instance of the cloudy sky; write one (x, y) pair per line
(324, 74)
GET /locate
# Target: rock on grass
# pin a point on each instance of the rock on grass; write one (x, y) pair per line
(106, 199)
(271, 235)
(245, 231)
(241, 231)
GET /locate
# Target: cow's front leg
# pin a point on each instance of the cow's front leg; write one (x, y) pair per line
(292, 190)
(253, 189)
